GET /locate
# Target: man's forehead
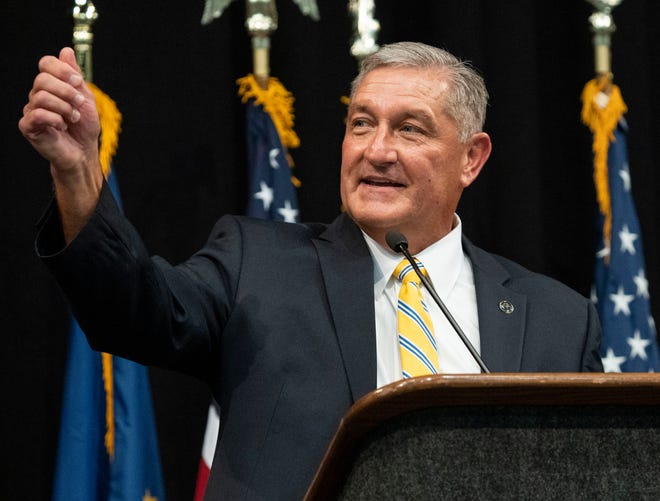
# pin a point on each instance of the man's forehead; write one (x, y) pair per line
(392, 87)
(431, 81)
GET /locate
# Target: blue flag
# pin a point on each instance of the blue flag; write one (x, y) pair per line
(108, 448)
(621, 290)
(271, 194)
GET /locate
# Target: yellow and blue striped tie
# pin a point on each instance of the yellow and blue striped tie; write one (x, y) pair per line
(419, 352)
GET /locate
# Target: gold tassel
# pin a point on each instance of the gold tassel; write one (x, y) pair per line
(110, 119)
(108, 385)
(602, 121)
(277, 102)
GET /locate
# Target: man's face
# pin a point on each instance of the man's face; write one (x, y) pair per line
(403, 166)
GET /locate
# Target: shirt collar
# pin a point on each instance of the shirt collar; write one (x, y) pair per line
(443, 261)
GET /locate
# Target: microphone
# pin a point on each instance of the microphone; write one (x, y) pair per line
(399, 243)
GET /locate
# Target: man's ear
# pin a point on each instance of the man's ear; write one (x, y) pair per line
(478, 151)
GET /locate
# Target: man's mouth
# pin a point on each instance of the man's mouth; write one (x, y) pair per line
(379, 182)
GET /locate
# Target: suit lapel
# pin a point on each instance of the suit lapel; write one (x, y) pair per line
(347, 270)
(502, 312)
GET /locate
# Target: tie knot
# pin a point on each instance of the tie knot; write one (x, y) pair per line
(406, 273)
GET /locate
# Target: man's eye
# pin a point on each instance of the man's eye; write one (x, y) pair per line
(409, 128)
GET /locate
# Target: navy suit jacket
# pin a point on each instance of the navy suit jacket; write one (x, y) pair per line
(279, 320)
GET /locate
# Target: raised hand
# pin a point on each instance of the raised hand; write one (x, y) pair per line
(61, 122)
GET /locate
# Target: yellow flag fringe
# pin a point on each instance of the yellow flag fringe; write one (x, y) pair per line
(602, 121)
(110, 119)
(278, 103)
(108, 384)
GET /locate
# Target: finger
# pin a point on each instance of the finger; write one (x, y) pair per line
(36, 122)
(68, 56)
(60, 70)
(47, 87)
(52, 103)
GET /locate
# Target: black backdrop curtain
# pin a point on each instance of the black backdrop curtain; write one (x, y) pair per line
(181, 161)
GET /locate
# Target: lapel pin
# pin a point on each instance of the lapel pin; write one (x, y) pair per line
(506, 307)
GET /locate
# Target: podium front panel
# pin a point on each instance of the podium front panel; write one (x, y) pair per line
(511, 452)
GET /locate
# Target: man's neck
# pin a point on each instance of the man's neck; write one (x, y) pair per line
(417, 240)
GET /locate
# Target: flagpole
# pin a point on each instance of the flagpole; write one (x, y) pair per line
(602, 104)
(261, 22)
(270, 135)
(602, 27)
(84, 15)
(103, 447)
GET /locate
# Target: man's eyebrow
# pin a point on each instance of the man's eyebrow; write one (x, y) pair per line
(358, 108)
(419, 115)
(404, 114)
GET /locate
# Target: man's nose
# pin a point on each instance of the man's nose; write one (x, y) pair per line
(381, 149)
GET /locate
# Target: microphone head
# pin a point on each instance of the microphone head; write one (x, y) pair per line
(396, 240)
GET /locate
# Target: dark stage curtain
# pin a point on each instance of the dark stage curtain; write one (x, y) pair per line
(181, 161)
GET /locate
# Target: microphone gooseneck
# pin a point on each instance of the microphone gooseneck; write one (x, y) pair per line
(399, 243)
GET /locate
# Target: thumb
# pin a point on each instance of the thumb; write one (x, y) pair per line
(68, 56)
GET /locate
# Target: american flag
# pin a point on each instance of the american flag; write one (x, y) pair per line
(621, 289)
(271, 192)
(271, 195)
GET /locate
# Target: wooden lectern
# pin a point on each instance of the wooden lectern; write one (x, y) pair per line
(499, 436)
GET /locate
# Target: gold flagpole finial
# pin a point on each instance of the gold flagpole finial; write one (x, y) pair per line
(602, 26)
(84, 15)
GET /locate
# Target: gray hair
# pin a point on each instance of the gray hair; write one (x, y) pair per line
(467, 97)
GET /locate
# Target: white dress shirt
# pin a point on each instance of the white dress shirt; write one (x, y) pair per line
(450, 272)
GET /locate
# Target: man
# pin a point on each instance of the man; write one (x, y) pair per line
(291, 324)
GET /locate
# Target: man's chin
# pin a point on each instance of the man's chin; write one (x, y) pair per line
(376, 222)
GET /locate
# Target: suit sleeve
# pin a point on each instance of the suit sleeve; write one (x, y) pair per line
(138, 307)
(591, 361)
